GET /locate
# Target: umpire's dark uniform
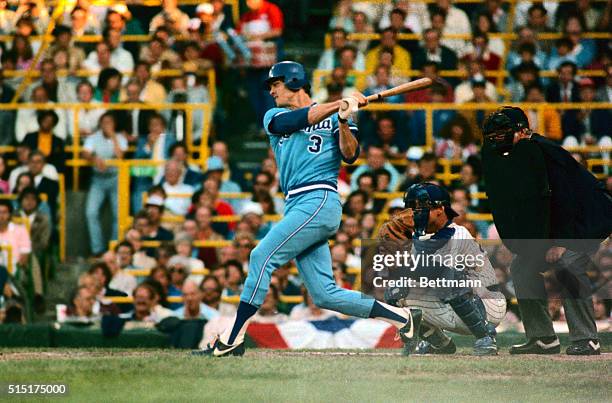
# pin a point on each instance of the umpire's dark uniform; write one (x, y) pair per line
(538, 191)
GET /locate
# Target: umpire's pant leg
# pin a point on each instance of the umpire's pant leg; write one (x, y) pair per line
(578, 303)
(531, 295)
(315, 266)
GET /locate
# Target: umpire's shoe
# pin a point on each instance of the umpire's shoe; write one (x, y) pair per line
(485, 346)
(543, 345)
(218, 349)
(410, 332)
(584, 347)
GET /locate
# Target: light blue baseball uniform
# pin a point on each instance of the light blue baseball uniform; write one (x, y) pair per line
(308, 162)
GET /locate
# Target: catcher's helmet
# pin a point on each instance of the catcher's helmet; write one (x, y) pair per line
(421, 197)
(498, 128)
(291, 73)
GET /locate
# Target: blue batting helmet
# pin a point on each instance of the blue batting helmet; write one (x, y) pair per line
(291, 73)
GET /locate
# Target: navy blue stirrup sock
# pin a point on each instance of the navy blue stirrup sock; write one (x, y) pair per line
(245, 311)
(379, 311)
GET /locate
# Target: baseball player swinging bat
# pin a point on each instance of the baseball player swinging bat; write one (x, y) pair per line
(353, 104)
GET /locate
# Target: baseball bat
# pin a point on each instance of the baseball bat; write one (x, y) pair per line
(401, 89)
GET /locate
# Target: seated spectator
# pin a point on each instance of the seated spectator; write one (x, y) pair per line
(587, 126)
(102, 306)
(172, 186)
(522, 12)
(171, 18)
(39, 221)
(480, 50)
(210, 188)
(7, 117)
(58, 88)
(389, 139)
(375, 160)
(342, 16)
(361, 25)
(178, 269)
(23, 152)
(46, 141)
(339, 83)
(155, 207)
(17, 237)
(140, 260)
(8, 18)
(431, 70)
(484, 25)
(106, 144)
(88, 118)
(473, 73)
(244, 243)
(471, 179)
(456, 22)
(382, 81)
(537, 18)
(27, 121)
(160, 275)
(151, 91)
(109, 84)
(262, 184)
(190, 173)
(551, 119)
(523, 76)
(388, 41)
(159, 55)
(183, 243)
(21, 51)
(564, 88)
(475, 117)
(193, 307)
(426, 171)
(125, 256)
(119, 56)
(42, 183)
(604, 93)
(120, 279)
(203, 218)
(104, 276)
(98, 60)
(330, 58)
(355, 205)
(526, 49)
(80, 308)
(234, 279)
(582, 49)
(216, 170)
(4, 185)
(456, 141)
(211, 296)
(417, 130)
(252, 214)
(433, 51)
(562, 52)
(146, 306)
(181, 93)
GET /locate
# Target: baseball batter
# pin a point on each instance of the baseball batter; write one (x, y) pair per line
(474, 311)
(309, 142)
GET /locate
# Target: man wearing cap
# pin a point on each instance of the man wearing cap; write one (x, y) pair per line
(252, 214)
(155, 210)
(552, 213)
(473, 310)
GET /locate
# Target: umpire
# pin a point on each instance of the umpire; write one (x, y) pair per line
(551, 213)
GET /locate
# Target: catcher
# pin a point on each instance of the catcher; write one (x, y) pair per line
(427, 220)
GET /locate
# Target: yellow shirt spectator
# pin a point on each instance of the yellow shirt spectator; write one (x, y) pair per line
(388, 40)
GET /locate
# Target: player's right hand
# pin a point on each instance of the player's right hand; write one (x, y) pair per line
(361, 99)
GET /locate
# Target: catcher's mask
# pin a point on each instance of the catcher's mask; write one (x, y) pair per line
(421, 198)
(498, 128)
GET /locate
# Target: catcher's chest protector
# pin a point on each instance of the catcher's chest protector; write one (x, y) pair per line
(518, 192)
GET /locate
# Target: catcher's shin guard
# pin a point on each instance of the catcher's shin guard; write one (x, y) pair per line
(472, 312)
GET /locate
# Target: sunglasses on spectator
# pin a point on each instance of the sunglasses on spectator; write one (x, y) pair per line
(179, 270)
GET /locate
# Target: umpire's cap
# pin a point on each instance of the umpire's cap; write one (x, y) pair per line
(291, 73)
(508, 117)
(431, 195)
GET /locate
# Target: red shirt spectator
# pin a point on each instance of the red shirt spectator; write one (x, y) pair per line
(264, 20)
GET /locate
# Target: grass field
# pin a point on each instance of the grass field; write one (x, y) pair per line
(264, 375)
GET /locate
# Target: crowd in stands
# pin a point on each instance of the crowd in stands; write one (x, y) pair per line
(180, 204)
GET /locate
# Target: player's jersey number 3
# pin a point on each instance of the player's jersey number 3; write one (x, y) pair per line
(316, 144)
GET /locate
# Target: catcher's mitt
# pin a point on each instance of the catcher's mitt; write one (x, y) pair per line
(399, 227)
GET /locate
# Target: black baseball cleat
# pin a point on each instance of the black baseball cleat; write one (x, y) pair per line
(219, 349)
(409, 333)
(584, 347)
(485, 346)
(425, 347)
(545, 345)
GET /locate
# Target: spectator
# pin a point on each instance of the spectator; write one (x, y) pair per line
(234, 279)
(98, 60)
(4, 185)
(456, 22)
(7, 117)
(140, 260)
(480, 50)
(120, 18)
(564, 88)
(252, 214)
(101, 306)
(340, 82)
(245, 243)
(192, 307)
(211, 296)
(63, 42)
(376, 160)
(155, 209)
(125, 256)
(104, 276)
(262, 184)
(17, 237)
(88, 118)
(342, 16)
(440, 86)
(183, 243)
(178, 269)
(21, 50)
(42, 183)
(523, 76)
(498, 17)
(159, 55)
(417, 125)
(426, 171)
(210, 187)
(471, 177)
(230, 170)
(587, 126)
(81, 306)
(561, 53)
(486, 26)
(388, 138)
(456, 140)
(433, 51)
(526, 49)
(121, 59)
(120, 279)
(382, 81)
(151, 90)
(146, 306)
(582, 49)
(170, 18)
(355, 205)
(361, 26)
(537, 18)
(216, 170)
(172, 186)
(476, 117)
(473, 73)
(23, 152)
(203, 217)
(58, 89)
(45, 140)
(27, 121)
(522, 12)
(109, 84)
(604, 93)
(551, 118)
(180, 93)
(330, 58)
(388, 41)
(190, 173)
(7, 18)
(104, 145)
(592, 16)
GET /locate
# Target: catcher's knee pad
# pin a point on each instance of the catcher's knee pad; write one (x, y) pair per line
(471, 310)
